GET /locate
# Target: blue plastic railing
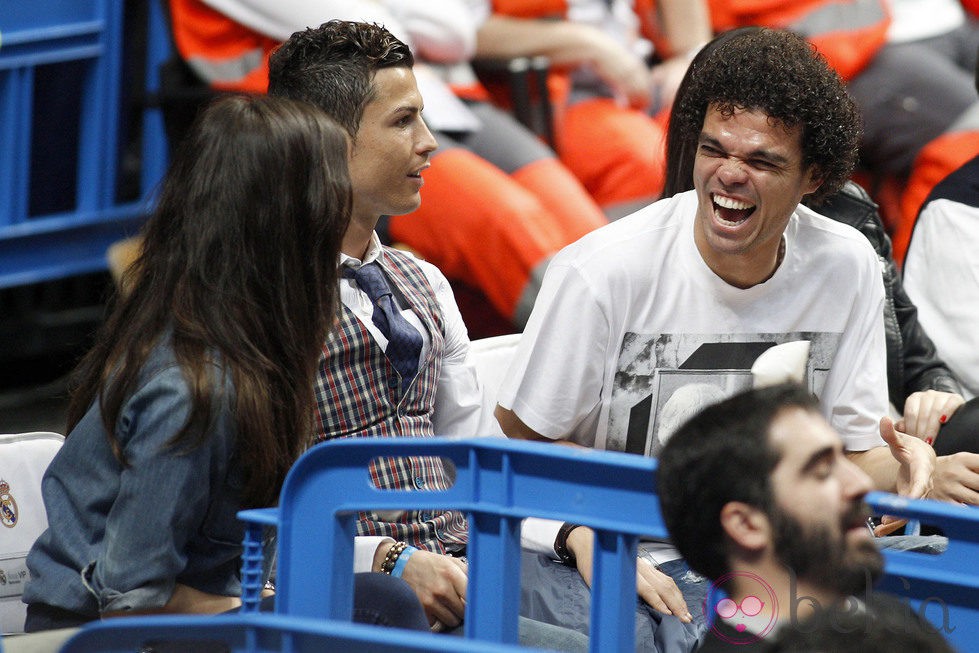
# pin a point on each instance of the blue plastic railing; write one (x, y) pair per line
(498, 483)
(261, 633)
(88, 35)
(943, 588)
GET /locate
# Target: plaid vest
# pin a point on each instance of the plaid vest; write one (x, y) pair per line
(358, 394)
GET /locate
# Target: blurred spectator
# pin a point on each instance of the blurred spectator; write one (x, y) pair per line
(609, 120)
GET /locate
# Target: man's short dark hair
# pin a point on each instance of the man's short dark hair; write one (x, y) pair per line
(721, 454)
(333, 67)
(779, 73)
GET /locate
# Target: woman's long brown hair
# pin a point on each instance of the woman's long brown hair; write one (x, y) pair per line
(239, 270)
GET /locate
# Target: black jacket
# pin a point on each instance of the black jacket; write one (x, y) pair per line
(912, 362)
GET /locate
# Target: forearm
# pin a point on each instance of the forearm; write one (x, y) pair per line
(514, 427)
(685, 23)
(187, 600)
(879, 465)
(380, 553)
(369, 552)
(905, 466)
(563, 42)
(184, 600)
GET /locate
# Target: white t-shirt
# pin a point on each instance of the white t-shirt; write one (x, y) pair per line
(941, 276)
(630, 315)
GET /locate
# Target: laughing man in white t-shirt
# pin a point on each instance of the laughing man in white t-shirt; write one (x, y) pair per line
(690, 290)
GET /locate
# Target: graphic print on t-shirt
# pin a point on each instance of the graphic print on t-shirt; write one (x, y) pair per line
(662, 379)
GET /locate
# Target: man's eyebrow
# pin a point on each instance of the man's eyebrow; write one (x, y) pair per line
(819, 457)
(771, 157)
(410, 108)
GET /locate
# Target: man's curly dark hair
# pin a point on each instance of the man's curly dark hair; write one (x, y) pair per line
(779, 73)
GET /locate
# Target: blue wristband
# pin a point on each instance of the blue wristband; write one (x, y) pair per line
(399, 566)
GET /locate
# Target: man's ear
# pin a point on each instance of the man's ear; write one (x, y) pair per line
(746, 525)
(815, 178)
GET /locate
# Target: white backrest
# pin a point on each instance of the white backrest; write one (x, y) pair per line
(492, 356)
(23, 459)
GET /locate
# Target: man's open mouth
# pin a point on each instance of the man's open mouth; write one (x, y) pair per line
(731, 212)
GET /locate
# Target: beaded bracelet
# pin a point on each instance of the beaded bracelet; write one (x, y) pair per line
(399, 565)
(392, 556)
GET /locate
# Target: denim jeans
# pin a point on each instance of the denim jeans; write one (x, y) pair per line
(555, 594)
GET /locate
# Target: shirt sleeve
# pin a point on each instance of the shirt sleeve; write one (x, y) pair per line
(538, 535)
(556, 379)
(459, 410)
(163, 496)
(857, 389)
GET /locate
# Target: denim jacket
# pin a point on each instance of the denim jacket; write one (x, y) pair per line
(120, 537)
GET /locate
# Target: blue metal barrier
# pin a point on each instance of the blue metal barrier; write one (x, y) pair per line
(498, 483)
(52, 39)
(260, 633)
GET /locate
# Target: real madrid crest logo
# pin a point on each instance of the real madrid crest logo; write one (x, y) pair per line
(8, 507)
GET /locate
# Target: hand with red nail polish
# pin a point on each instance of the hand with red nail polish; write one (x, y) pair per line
(925, 412)
(956, 476)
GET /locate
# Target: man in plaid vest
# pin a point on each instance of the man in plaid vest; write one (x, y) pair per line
(397, 362)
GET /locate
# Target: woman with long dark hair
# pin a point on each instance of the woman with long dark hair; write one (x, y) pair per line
(197, 396)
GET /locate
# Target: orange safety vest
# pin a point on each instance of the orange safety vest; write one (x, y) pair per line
(224, 53)
(848, 33)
